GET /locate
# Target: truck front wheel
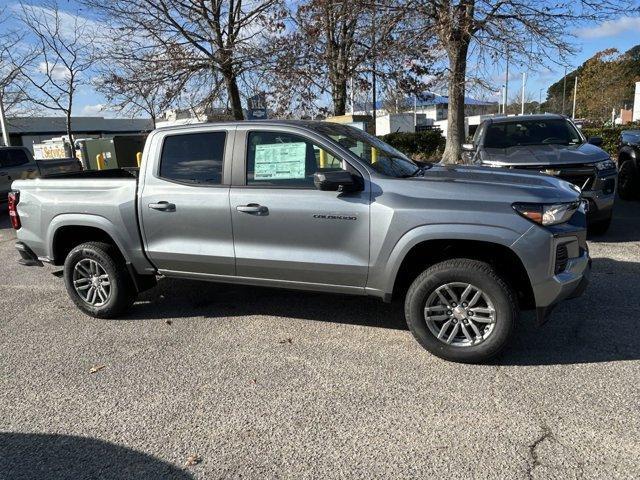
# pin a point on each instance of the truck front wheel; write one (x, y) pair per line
(97, 280)
(461, 310)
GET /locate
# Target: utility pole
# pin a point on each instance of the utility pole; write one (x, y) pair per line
(564, 89)
(524, 81)
(3, 124)
(575, 91)
(506, 87)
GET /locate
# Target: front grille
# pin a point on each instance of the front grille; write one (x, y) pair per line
(562, 258)
(581, 175)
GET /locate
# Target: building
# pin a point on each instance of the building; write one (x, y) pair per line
(27, 131)
(432, 107)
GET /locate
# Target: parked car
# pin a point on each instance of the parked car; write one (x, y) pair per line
(17, 163)
(314, 206)
(629, 165)
(553, 145)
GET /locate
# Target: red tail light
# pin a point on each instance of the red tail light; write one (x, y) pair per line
(13, 199)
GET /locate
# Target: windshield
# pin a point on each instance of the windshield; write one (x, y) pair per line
(555, 131)
(382, 157)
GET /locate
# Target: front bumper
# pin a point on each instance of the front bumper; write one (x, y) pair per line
(557, 262)
(601, 197)
(566, 285)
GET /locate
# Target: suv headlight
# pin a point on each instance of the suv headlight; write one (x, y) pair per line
(545, 214)
(606, 165)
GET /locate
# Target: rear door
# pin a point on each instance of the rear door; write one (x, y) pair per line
(284, 228)
(184, 202)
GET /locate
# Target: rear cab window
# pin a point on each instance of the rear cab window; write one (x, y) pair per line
(193, 158)
(13, 157)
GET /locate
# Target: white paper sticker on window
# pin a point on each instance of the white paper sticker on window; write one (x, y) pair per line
(280, 161)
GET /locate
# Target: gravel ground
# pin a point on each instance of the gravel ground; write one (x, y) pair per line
(210, 381)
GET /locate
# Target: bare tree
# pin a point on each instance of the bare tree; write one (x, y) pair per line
(132, 88)
(61, 53)
(529, 30)
(208, 43)
(332, 42)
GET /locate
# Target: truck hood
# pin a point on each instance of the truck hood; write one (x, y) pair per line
(487, 184)
(543, 155)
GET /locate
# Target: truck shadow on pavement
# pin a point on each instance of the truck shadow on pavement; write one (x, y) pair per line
(583, 330)
(600, 326)
(31, 456)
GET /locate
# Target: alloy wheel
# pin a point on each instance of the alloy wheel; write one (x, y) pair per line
(460, 314)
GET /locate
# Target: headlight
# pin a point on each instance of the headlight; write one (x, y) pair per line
(547, 214)
(606, 165)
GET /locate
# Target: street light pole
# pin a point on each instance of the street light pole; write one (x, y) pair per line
(540, 100)
(3, 124)
(524, 81)
(575, 91)
(506, 87)
(564, 89)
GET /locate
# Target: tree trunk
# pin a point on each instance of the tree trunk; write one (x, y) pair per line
(339, 94)
(234, 93)
(457, 53)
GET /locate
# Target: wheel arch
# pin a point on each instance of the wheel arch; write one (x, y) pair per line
(490, 248)
(627, 153)
(67, 232)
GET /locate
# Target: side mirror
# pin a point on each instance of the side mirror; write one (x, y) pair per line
(597, 141)
(335, 181)
(468, 147)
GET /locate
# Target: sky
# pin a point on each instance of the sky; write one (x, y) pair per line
(621, 33)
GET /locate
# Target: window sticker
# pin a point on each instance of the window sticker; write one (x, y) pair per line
(280, 161)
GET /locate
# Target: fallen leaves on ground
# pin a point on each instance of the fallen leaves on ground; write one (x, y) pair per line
(192, 460)
(97, 368)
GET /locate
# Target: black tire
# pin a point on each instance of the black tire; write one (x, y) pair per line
(478, 274)
(600, 227)
(628, 181)
(122, 292)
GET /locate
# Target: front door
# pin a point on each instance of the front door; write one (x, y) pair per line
(287, 230)
(184, 204)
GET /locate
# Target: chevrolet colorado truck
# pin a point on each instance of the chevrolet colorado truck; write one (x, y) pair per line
(553, 145)
(314, 206)
(18, 163)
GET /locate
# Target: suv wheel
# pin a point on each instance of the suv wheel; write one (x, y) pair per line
(628, 181)
(461, 310)
(97, 280)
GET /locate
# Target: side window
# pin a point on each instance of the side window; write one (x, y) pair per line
(13, 157)
(193, 158)
(285, 160)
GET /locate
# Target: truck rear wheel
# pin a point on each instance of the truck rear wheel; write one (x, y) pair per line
(97, 280)
(461, 310)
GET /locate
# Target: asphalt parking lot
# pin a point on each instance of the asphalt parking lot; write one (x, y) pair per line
(262, 383)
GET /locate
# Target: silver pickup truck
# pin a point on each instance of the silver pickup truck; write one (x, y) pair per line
(314, 206)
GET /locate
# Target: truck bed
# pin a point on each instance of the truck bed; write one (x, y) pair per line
(105, 198)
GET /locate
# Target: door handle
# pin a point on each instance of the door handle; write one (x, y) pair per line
(163, 206)
(253, 208)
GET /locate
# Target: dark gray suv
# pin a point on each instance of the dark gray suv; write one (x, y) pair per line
(553, 145)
